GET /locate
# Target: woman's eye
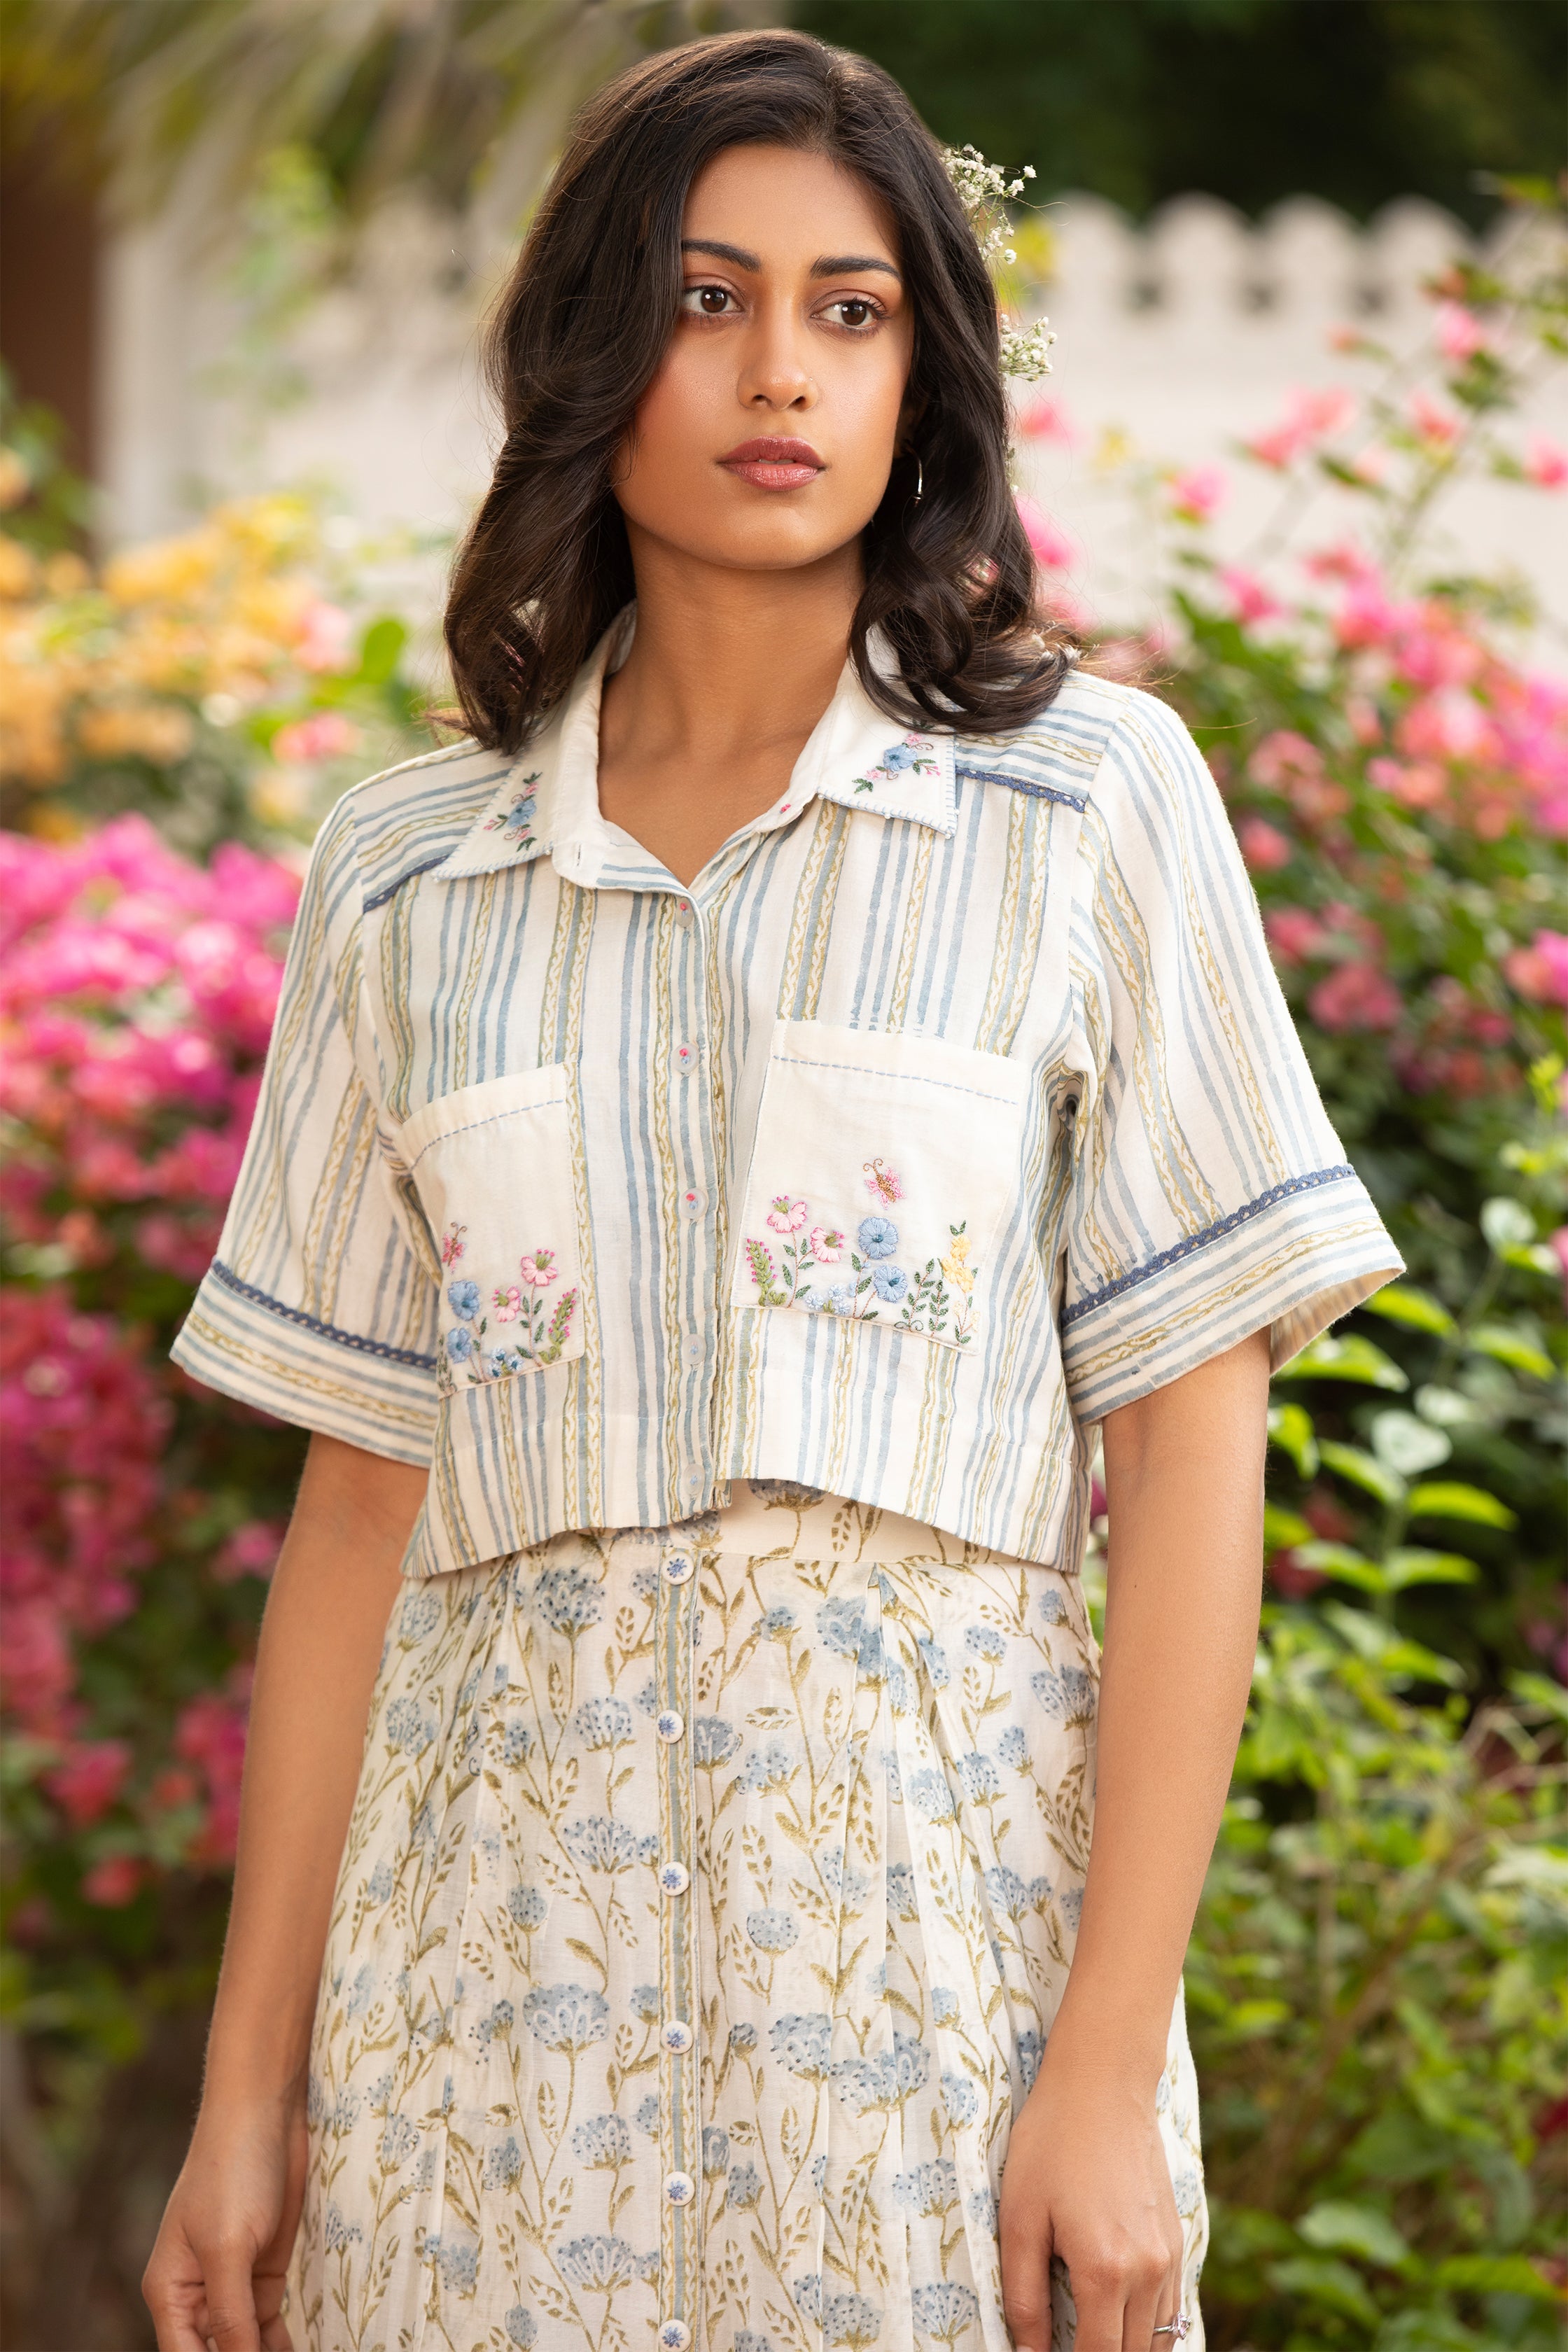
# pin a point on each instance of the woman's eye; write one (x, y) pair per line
(854, 311)
(706, 302)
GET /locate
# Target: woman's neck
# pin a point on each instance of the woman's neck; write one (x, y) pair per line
(728, 674)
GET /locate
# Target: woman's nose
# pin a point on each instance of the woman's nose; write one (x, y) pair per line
(775, 375)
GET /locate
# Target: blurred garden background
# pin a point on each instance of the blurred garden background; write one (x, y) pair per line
(1303, 468)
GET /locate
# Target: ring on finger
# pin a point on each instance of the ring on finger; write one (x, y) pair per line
(1180, 2327)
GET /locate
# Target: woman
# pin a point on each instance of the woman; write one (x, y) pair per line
(738, 1125)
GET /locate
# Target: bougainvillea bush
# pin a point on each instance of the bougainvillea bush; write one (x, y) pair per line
(1377, 1979)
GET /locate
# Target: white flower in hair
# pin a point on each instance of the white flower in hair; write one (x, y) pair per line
(984, 190)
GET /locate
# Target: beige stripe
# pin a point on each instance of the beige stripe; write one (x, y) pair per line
(295, 1375)
(483, 913)
(584, 1430)
(914, 910)
(1006, 920)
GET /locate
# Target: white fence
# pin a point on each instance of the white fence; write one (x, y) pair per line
(1184, 337)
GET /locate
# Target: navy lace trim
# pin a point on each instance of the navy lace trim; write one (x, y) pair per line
(231, 1281)
(1182, 1249)
(1079, 801)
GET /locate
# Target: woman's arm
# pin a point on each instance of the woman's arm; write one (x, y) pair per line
(216, 2271)
(1086, 2175)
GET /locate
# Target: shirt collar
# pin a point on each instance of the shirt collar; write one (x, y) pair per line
(548, 803)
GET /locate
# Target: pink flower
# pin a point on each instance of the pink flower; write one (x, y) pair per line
(323, 642)
(788, 1216)
(1450, 726)
(114, 1882)
(210, 1734)
(251, 1550)
(1198, 493)
(1053, 550)
(1310, 418)
(1341, 561)
(1459, 333)
(508, 1304)
(1539, 972)
(452, 1243)
(539, 1268)
(1264, 848)
(1438, 426)
(87, 1783)
(826, 1244)
(1354, 996)
(324, 735)
(1047, 420)
(1421, 786)
(1294, 934)
(1251, 602)
(1545, 464)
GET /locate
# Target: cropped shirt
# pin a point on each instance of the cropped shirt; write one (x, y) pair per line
(954, 1104)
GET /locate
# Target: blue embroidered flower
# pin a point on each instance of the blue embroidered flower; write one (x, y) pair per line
(803, 2042)
(772, 1931)
(929, 2189)
(840, 1299)
(566, 2016)
(946, 2309)
(961, 2098)
(465, 1298)
(601, 2142)
(460, 1343)
(898, 757)
(892, 1283)
(877, 1236)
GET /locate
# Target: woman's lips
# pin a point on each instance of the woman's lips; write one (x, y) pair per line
(773, 465)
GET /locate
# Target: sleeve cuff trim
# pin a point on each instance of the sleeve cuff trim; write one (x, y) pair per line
(355, 1339)
(1184, 1248)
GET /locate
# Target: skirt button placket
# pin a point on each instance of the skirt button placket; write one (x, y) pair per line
(680, 2059)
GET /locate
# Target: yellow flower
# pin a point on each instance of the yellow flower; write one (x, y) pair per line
(169, 571)
(157, 732)
(956, 1265)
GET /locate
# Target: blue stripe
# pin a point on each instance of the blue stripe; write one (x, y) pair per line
(1082, 1307)
(354, 1339)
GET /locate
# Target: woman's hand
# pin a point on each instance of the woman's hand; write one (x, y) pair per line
(1087, 2181)
(217, 2271)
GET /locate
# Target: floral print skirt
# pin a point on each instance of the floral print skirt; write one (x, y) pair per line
(700, 1923)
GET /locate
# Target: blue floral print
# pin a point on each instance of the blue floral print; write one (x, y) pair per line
(915, 753)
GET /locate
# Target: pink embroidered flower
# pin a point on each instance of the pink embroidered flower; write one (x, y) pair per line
(539, 1269)
(508, 1303)
(826, 1244)
(453, 1244)
(883, 1183)
(788, 1216)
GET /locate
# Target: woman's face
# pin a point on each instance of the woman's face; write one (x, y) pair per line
(765, 439)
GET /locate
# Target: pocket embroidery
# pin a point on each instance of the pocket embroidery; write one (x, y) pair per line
(936, 1299)
(543, 1329)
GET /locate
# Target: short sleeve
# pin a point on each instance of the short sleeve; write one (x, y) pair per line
(321, 1305)
(1211, 1194)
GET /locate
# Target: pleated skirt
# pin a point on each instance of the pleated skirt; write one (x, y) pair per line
(700, 1923)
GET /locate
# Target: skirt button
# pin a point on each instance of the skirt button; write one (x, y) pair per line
(679, 2188)
(678, 2037)
(674, 1878)
(677, 1568)
(674, 2336)
(671, 1725)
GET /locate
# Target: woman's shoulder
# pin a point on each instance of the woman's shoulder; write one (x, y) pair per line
(1081, 747)
(408, 818)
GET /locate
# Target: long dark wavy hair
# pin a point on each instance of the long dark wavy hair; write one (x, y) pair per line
(583, 325)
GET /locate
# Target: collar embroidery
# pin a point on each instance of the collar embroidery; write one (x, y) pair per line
(911, 753)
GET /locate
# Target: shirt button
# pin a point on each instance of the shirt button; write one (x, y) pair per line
(674, 2336)
(671, 1725)
(678, 2036)
(679, 2188)
(693, 1202)
(677, 1567)
(683, 912)
(674, 1878)
(685, 1060)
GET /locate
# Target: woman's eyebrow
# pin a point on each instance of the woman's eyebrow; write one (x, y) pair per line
(832, 265)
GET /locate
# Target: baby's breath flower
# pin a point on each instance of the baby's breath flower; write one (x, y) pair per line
(984, 190)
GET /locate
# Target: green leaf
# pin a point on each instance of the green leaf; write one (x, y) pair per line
(1408, 1446)
(1541, 1690)
(1290, 1428)
(379, 650)
(1345, 1566)
(1496, 2274)
(1448, 1499)
(1361, 1470)
(1316, 2279)
(1521, 1351)
(1401, 1302)
(1346, 2228)
(1283, 1529)
(1353, 1358)
(1409, 1566)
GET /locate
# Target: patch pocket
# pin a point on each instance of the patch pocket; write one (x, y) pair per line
(494, 1168)
(884, 1165)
